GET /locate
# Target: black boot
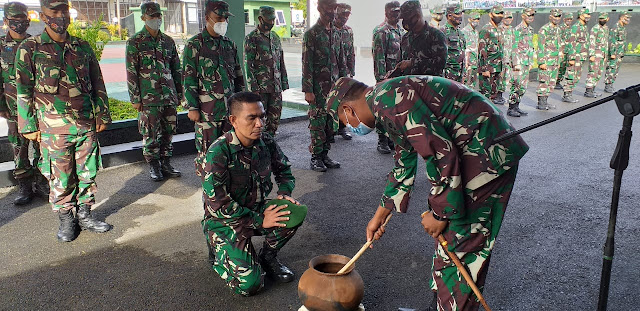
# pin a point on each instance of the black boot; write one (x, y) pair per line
(499, 100)
(212, 254)
(591, 93)
(542, 103)
(328, 162)
(155, 171)
(558, 86)
(168, 170)
(40, 186)
(25, 193)
(513, 112)
(434, 303)
(345, 135)
(272, 266)
(68, 230)
(568, 98)
(522, 112)
(383, 144)
(87, 222)
(608, 88)
(317, 164)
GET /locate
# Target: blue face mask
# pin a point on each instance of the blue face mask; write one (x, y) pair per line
(361, 130)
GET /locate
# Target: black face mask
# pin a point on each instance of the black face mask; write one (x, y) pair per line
(58, 24)
(603, 22)
(409, 23)
(267, 26)
(497, 19)
(19, 26)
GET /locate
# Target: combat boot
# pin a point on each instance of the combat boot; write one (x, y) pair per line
(168, 170)
(345, 135)
(68, 230)
(328, 162)
(568, 98)
(513, 112)
(608, 88)
(212, 254)
(383, 145)
(87, 222)
(522, 112)
(558, 86)
(499, 100)
(542, 103)
(40, 186)
(25, 193)
(317, 164)
(155, 171)
(591, 94)
(272, 266)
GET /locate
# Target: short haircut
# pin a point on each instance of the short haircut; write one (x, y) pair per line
(391, 5)
(238, 99)
(355, 91)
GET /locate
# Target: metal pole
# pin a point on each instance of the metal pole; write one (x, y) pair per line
(119, 22)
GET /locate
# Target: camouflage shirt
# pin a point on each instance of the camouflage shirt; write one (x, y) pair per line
(237, 180)
(577, 42)
(427, 51)
(347, 59)
(549, 45)
(386, 50)
(266, 72)
(211, 74)
(471, 51)
(506, 38)
(154, 76)
(599, 41)
(522, 46)
(320, 50)
(490, 49)
(456, 44)
(617, 39)
(60, 86)
(565, 32)
(8, 92)
(451, 128)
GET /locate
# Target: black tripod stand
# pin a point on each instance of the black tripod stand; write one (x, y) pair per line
(628, 102)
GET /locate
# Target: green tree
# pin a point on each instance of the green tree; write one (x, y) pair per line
(301, 5)
(92, 33)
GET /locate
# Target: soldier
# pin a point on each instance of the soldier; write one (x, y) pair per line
(548, 58)
(598, 47)
(320, 50)
(386, 55)
(347, 57)
(155, 88)
(237, 180)
(436, 16)
(521, 59)
(28, 176)
(470, 77)
(456, 43)
(452, 128)
(211, 74)
(576, 48)
(490, 56)
(617, 40)
(506, 37)
(565, 32)
(62, 103)
(424, 50)
(266, 71)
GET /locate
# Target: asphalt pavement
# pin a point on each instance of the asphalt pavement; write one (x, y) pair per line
(548, 255)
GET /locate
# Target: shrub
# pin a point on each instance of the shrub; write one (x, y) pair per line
(92, 33)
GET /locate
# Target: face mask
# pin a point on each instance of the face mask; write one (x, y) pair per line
(361, 130)
(19, 26)
(496, 19)
(220, 28)
(267, 26)
(456, 20)
(58, 24)
(153, 23)
(474, 24)
(603, 22)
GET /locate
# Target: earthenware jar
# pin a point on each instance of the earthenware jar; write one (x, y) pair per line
(322, 289)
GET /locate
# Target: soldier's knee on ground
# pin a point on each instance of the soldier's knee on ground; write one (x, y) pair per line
(251, 283)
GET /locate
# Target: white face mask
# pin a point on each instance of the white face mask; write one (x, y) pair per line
(153, 23)
(220, 28)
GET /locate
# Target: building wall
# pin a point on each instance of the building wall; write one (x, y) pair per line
(252, 9)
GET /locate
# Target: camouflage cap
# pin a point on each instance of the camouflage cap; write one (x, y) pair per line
(583, 11)
(474, 15)
(528, 11)
(437, 10)
(150, 8)
(556, 12)
(508, 14)
(569, 15)
(268, 12)
(497, 9)
(625, 14)
(343, 8)
(342, 86)
(14, 9)
(219, 7)
(51, 4)
(454, 9)
(410, 6)
(603, 15)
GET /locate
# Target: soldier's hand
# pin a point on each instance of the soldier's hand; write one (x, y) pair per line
(194, 115)
(273, 216)
(137, 107)
(4, 114)
(288, 198)
(542, 66)
(613, 57)
(310, 98)
(35, 136)
(486, 74)
(375, 230)
(101, 127)
(433, 226)
(403, 65)
(592, 58)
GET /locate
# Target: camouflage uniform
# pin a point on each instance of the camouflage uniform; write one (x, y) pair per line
(617, 40)
(155, 81)
(565, 32)
(456, 45)
(450, 127)
(437, 10)
(427, 51)
(61, 93)
(522, 56)
(236, 183)
(470, 76)
(320, 70)
(266, 73)
(347, 58)
(507, 34)
(211, 74)
(549, 54)
(598, 47)
(490, 59)
(576, 49)
(386, 50)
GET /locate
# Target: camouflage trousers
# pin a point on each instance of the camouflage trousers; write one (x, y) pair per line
(505, 77)
(613, 66)
(519, 83)
(562, 70)
(157, 124)
(24, 168)
(454, 74)
(572, 77)
(547, 79)
(472, 238)
(470, 77)
(596, 69)
(236, 260)
(206, 133)
(489, 86)
(320, 126)
(272, 103)
(70, 163)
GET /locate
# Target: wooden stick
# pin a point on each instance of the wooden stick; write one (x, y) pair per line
(464, 272)
(362, 250)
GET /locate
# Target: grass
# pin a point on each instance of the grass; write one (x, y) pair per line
(123, 110)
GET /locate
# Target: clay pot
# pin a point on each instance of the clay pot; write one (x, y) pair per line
(321, 289)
